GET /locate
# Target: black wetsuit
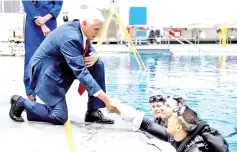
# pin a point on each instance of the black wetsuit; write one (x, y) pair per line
(193, 143)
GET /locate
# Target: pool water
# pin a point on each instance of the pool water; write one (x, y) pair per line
(209, 82)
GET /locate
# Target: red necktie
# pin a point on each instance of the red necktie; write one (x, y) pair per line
(81, 87)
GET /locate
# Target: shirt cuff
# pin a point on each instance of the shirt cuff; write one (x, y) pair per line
(97, 93)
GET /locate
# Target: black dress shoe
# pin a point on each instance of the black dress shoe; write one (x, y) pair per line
(15, 111)
(98, 117)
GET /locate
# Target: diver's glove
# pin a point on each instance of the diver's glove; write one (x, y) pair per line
(161, 145)
(129, 114)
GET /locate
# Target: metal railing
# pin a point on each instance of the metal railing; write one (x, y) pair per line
(186, 40)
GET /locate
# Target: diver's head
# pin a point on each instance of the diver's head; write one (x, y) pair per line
(182, 100)
(172, 103)
(182, 121)
(167, 108)
(156, 102)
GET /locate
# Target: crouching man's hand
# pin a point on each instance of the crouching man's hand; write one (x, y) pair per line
(108, 102)
(111, 108)
(91, 59)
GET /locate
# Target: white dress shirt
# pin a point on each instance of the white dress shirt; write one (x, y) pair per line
(84, 45)
(84, 38)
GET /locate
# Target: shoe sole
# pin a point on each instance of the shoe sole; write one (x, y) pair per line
(99, 122)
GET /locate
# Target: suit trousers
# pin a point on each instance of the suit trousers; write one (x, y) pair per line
(58, 114)
(98, 73)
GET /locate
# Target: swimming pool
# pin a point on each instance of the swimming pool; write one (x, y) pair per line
(210, 83)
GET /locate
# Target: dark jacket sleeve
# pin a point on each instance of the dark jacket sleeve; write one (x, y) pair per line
(72, 54)
(57, 8)
(154, 129)
(30, 9)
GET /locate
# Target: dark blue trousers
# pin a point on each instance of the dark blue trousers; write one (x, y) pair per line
(98, 73)
(29, 51)
(58, 114)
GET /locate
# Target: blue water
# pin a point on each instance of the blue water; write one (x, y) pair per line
(209, 82)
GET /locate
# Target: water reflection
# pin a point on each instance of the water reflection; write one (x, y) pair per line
(209, 82)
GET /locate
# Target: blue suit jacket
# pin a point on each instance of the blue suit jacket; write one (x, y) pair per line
(33, 33)
(57, 62)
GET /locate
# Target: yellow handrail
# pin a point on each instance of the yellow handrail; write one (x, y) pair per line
(128, 37)
(224, 34)
(104, 29)
(133, 48)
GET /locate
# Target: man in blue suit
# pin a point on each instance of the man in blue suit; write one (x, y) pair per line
(41, 19)
(54, 66)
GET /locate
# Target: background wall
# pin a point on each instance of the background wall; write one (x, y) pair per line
(159, 12)
(169, 12)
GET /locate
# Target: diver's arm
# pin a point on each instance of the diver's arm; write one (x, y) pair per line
(138, 120)
(154, 129)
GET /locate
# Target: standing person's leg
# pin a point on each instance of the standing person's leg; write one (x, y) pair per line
(57, 114)
(94, 104)
(29, 51)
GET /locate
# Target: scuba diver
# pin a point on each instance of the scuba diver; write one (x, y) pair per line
(185, 131)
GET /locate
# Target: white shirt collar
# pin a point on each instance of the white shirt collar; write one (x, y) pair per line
(84, 38)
